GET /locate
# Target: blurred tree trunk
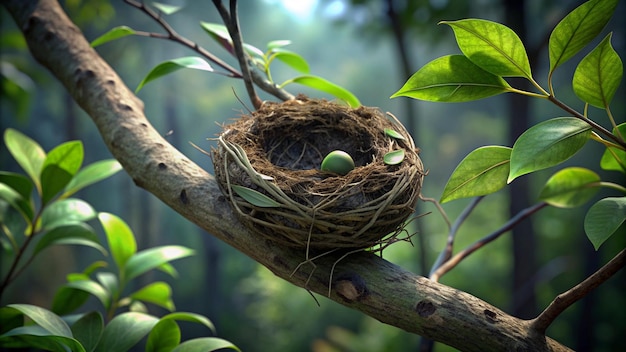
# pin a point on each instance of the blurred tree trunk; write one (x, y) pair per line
(524, 239)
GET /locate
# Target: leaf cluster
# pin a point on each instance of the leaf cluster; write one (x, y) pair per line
(30, 224)
(491, 52)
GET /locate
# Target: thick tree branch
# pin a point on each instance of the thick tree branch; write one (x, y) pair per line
(361, 281)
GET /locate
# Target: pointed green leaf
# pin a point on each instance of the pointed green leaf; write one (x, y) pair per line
(94, 289)
(570, 187)
(125, 331)
(604, 218)
(481, 172)
(452, 78)
(615, 158)
(15, 200)
(204, 344)
(109, 281)
(254, 51)
(78, 233)
(254, 197)
(67, 300)
(598, 75)
(159, 293)
(220, 34)
(577, 29)
(164, 337)
(292, 59)
(113, 34)
(166, 9)
(547, 144)
(91, 174)
(152, 258)
(394, 157)
(88, 330)
(167, 67)
(327, 87)
(120, 238)
(275, 44)
(61, 164)
(191, 317)
(492, 46)
(66, 212)
(44, 318)
(28, 154)
(394, 134)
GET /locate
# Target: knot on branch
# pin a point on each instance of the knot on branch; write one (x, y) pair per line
(425, 308)
(351, 287)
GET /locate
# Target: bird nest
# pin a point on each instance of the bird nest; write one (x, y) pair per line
(268, 165)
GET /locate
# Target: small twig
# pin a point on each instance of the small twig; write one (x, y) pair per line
(174, 36)
(454, 229)
(439, 208)
(566, 299)
(232, 24)
(454, 261)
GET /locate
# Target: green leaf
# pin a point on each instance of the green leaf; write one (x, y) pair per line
(125, 330)
(327, 87)
(91, 174)
(220, 34)
(159, 293)
(577, 29)
(204, 344)
(191, 317)
(44, 318)
(547, 144)
(164, 337)
(598, 75)
(570, 187)
(113, 34)
(78, 233)
(15, 200)
(20, 183)
(275, 44)
(481, 172)
(452, 78)
(615, 158)
(604, 218)
(88, 330)
(167, 67)
(254, 197)
(61, 164)
(68, 299)
(94, 289)
(166, 9)
(153, 258)
(394, 157)
(36, 337)
(109, 281)
(290, 58)
(394, 134)
(28, 154)
(492, 46)
(66, 212)
(120, 238)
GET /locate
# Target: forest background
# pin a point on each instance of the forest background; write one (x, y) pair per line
(354, 46)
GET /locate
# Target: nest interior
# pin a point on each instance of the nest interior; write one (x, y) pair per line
(277, 151)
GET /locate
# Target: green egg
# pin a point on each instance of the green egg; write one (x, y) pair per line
(338, 162)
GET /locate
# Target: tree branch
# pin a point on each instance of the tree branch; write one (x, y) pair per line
(362, 281)
(576, 293)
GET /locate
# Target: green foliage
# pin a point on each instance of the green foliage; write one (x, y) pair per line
(167, 67)
(491, 52)
(61, 220)
(255, 197)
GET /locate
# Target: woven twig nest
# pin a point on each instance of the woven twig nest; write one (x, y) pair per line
(277, 151)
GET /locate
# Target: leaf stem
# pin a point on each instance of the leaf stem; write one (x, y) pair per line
(566, 299)
(527, 93)
(455, 260)
(612, 185)
(593, 124)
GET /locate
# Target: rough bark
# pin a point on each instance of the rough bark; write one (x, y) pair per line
(361, 281)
